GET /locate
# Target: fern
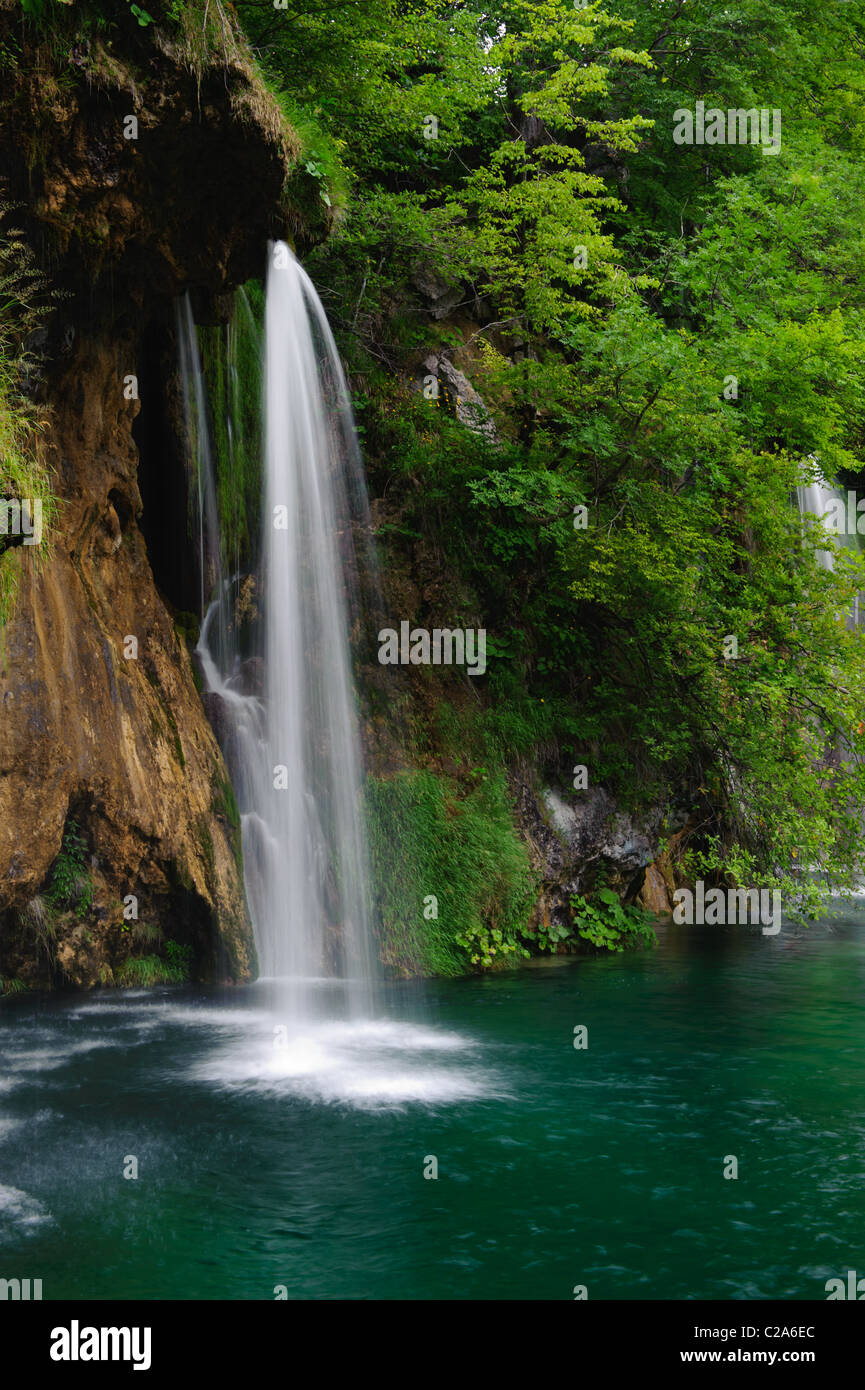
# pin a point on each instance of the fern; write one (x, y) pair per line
(71, 884)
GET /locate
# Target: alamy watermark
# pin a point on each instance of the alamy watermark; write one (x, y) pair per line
(21, 517)
(736, 126)
(21, 1290)
(735, 906)
(76, 1343)
(845, 519)
(444, 646)
(853, 1289)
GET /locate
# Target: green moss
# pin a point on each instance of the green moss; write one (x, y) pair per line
(228, 803)
(156, 729)
(231, 360)
(178, 746)
(225, 804)
(427, 842)
(514, 726)
(206, 841)
(320, 177)
(187, 627)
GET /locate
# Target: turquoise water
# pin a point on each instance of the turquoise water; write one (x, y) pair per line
(303, 1165)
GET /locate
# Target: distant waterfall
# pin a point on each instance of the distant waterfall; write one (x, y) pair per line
(292, 744)
(815, 499)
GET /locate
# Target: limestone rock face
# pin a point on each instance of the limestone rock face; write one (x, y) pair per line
(459, 394)
(102, 728)
(571, 837)
(101, 718)
(440, 295)
(654, 895)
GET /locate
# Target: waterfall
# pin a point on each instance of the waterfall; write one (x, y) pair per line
(291, 739)
(816, 499)
(311, 795)
(200, 450)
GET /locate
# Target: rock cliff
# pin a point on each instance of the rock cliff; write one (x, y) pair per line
(143, 165)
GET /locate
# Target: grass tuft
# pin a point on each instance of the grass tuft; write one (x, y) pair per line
(142, 972)
(428, 842)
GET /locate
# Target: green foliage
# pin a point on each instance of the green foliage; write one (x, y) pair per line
(550, 936)
(231, 359)
(142, 972)
(47, 10)
(610, 924)
(321, 152)
(607, 383)
(71, 884)
(11, 985)
(24, 298)
(427, 841)
(188, 627)
(369, 73)
(227, 801)
(179, 958)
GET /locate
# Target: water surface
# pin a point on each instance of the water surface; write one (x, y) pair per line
(270, 1158)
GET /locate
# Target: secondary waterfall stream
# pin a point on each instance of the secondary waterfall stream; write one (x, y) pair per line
(816, 499)
(293, 745)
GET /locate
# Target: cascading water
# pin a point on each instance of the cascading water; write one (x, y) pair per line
(293, 747)
(310, 793)
(291, 737)
(826, 503)
(816, 499)
(201, 453)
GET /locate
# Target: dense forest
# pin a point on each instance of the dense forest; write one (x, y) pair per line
(667, 336)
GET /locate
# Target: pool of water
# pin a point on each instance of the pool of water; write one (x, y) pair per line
(269, 1156)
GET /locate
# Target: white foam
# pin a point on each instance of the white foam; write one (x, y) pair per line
(8, 1123)
(21, 1211)
(364, 1063)
(367, 1065)
(151, 1014)
(49, 1058)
